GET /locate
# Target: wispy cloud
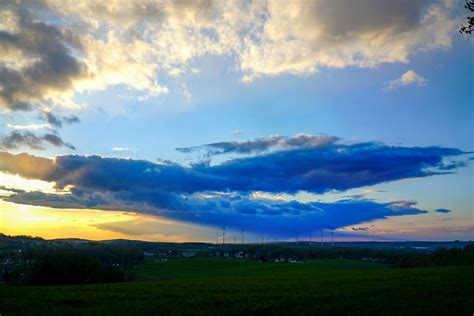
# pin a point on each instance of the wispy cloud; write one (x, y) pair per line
(260, 145)
(29, 126)
(122, 149)
(57, 121)
(27, 139)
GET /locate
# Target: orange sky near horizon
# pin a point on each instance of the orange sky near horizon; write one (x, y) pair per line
(50, 223)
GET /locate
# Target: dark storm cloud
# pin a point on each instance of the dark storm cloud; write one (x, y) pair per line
(18, 139)
(52, 66)
(222, 194)
(260, 145)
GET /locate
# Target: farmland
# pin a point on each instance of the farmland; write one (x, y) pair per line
(216, 286)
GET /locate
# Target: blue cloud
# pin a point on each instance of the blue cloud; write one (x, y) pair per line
(221, 194)
(261, 145)
(317, 170)
(281, 218)
(442, 210)
(57, 121)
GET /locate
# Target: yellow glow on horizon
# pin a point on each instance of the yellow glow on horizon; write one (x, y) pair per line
(50, 223)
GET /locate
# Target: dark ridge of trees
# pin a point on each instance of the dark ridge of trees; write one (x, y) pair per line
(440, 257)
(69, 267)
(47, 264)
(270, 252)
(467, 29)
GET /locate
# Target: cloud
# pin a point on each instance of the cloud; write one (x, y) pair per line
(37, 60)
(8, 189)
(56, 141)
(232, 210)
(224, 193)
(409, 77)
(260, 145)
(442, 210)
(25, 165)
(360, 228)
(53, 119)
(300, 37)
(21, 139)
(51, 50)
(71, 119)
(314, 169)
(236, 132)
(122, 149)
(57, 121)
(29, 126)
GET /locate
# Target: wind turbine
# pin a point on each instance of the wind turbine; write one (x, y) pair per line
(223, 235)
(242, 235)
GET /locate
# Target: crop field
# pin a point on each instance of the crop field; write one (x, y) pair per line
(240, 287)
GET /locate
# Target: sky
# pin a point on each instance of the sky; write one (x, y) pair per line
(168, 120)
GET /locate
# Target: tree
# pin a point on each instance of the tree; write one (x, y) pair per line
(467, 29)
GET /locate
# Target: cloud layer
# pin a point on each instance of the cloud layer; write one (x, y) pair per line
(51, 50)
(223, 194)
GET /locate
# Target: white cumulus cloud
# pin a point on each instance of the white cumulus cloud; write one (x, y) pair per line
(51, 50)
(409, 77)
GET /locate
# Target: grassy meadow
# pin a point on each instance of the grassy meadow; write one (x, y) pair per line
(241, 287)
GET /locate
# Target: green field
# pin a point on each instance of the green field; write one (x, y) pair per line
(233, 287)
